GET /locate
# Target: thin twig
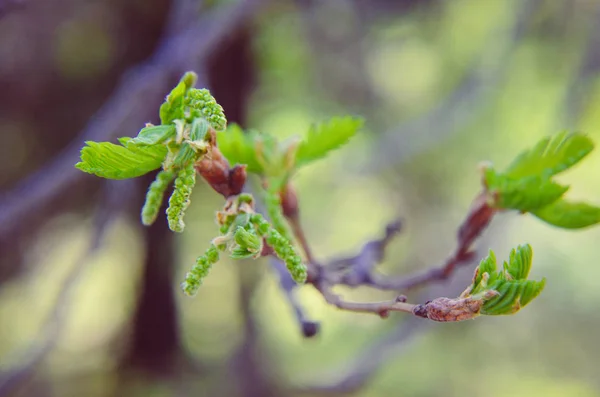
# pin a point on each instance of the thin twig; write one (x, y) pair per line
(473, 226)
(382, 308)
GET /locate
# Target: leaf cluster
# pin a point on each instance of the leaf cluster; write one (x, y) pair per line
(507, 290)
(527, 184)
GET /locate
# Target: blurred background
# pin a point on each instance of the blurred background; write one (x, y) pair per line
(89, 299)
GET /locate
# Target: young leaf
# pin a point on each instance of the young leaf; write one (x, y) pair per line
(239, 147)
(569, 215)
(512, 297)
(519, 263)
(524, 194)
(486, 266)
(172, 108)
(551, 155)
(107, 160)
(154, 135)
(507, 291)
(325, 137)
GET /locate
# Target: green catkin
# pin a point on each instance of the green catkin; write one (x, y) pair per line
(180, 199)
(199, 271)
(282, 247)
(203, 105)
(155, 196)
(273, 206)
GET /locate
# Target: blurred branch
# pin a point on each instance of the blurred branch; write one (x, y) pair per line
(7, 6)
(140, 89)
(308, 327)
(114, 194)
(477, 220)
(459, 107)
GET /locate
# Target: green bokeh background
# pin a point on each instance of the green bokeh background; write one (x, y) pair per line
(327, 60)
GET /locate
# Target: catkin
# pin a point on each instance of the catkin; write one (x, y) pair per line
(155, 196)
(180, 199)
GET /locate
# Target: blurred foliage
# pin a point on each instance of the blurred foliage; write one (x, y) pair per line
(411, 62)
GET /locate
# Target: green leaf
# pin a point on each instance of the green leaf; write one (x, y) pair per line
(158, 152)
(513, 296)
(551, 155)
(241, 253)
(569, 215)
(173, 108)
(247, 240)
(325, 137)
(154, 135)
(240, 148)
(487, 265)
(525, 194)
(519, 263)
(107, 160)
(507, 291)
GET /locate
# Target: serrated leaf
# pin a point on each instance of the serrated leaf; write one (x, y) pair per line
(525, 194)
(551, 155)
(569, 215)
(239, 147)
(325, 137)
(513, 296)
(506, 291)
(519, 263)
(154, 135)
(158, 152)
(107, 160)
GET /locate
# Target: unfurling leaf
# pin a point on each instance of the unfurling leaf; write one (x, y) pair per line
(325, 137)
(248, 240)
(180, 199)
(107, 160)
(525, 194)
(551, 155)
(569, 215)
(155, 195)
(154, 135)
(172, 108)
(507, 291)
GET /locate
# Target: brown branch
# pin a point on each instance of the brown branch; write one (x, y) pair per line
(358, 271)
(382, 308)
(478, 219)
